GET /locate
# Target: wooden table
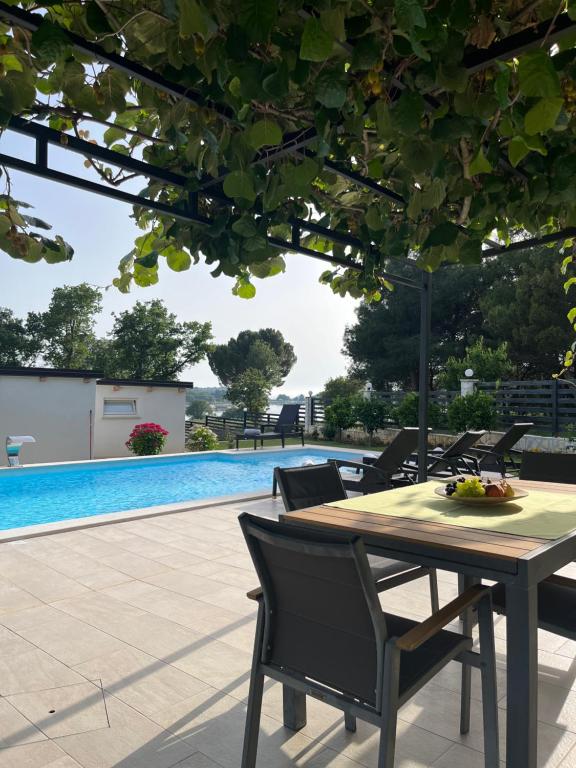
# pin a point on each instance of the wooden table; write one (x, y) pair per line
(519, 562)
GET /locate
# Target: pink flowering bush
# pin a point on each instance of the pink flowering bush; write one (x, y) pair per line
(147, 439)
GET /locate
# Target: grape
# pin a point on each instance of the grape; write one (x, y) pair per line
(470, 488)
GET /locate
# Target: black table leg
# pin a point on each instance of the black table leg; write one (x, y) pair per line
(522, 676)
(294, 708)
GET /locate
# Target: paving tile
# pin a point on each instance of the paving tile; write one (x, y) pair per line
(183, 583)
(12, 598)
(203, 617)
(33, 670)
(459, 756)
(64, 711)
(15, 728)
(43, 754)
(68, 639)
(37, 579)
(140, 680)
(98, 609)
(157, 636)
(131, 741)
(134, 565)
(214, 724)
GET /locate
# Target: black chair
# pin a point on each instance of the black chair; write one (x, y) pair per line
(548, 467)
(312, 486)
(387, 470)
(556, 594)
(454, 460)
(287, 425)
(501, 456)
(321, 631)
(556, 605)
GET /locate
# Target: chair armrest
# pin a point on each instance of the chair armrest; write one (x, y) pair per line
(357, 465)
(418, 635)
(255, 594)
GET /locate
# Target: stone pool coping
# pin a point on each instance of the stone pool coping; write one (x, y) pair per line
(93, 521)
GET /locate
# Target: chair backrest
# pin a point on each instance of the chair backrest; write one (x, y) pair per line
(288, 415)
(463, 443)
(548, 467)
(511, 436)
(403, 445)
(303, 487)
(323, 621)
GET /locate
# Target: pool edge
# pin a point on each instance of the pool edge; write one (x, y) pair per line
(95, 521)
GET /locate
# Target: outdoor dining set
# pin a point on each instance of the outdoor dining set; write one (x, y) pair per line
(323, 629)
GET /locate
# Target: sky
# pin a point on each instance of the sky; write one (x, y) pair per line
(101, 231)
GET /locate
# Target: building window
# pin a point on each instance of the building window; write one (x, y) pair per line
(119, 407)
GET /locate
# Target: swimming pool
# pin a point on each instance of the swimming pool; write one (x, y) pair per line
(37, 495)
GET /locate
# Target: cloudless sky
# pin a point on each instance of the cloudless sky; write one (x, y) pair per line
(101, 231)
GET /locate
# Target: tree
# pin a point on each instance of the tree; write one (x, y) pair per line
(341, 386)
(528, 306)
(17, 346)
(250, 390)
(373, 413)
(384, 343)
(198, 408)
(488, 365)
(148, 342)
(341, 414)
(66, 329)
(474, 411)
(264, 350)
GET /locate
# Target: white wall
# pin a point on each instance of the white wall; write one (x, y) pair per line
(56, 411)
(163, 405)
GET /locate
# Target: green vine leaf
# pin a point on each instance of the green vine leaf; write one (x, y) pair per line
(239, 185)
(517, 150)
(543, 115)
(316, 43)
(264, 133)
(409, 14)
(537, 76)
(480, 163)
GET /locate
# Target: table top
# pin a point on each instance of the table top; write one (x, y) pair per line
(451, 539)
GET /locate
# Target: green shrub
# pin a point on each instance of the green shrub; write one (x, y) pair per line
(406, 414)
(341, 414)
(474, 411)
(373, 413)
(202, 439)
(329, 431)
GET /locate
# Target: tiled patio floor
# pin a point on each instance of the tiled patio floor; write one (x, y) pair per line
(129, 646)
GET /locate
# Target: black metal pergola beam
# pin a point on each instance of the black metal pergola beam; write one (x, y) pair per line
(550, 30)
(45, 136)
(31, 22)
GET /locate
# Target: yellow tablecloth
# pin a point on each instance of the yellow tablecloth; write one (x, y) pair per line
(541, 514)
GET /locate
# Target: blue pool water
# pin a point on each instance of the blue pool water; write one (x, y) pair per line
(32, 496)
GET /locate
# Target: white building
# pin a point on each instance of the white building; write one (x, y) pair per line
(75, 415)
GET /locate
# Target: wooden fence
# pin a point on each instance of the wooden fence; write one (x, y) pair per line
(550, 404)
(226, 427)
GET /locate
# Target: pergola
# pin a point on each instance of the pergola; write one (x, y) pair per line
(295, 144)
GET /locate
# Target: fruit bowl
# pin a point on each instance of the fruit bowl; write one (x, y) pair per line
(482, 500)
(479, 491)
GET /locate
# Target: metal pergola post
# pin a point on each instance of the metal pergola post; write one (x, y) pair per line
(424, 374)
